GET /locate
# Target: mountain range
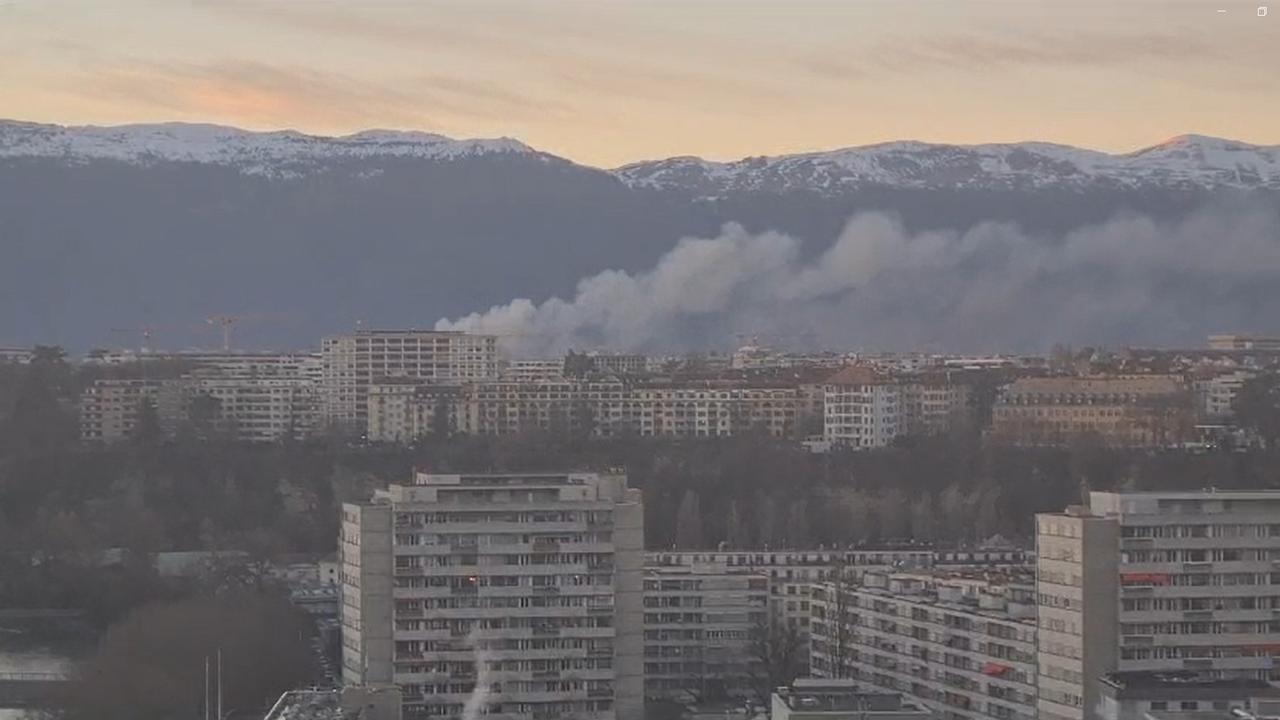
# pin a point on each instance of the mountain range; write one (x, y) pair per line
(165, 224)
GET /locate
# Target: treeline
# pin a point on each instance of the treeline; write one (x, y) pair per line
(67, 501)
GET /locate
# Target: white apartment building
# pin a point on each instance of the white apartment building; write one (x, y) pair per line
(1160, 581)
(526, 588)
(793, 573)
(960, 640)
(351, 363)
(1216, 394)
(290, 365)
(865, 408)
(699, 622)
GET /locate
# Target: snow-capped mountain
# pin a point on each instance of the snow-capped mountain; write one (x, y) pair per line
(1187, 161)
(254, 152)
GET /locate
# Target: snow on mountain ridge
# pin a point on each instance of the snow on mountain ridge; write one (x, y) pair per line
(217, 144)
(1184, 161)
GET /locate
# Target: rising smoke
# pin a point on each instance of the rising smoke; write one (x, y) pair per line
(473, 708)
(1131, 280)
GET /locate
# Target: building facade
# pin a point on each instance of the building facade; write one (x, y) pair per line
(525, 588)
(351, 363)
(1157, 582)
(1123, 411)
(865, 408)
(111, 407)
(698, 627)
(962, 641)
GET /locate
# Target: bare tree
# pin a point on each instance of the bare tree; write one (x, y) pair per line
(776, 654)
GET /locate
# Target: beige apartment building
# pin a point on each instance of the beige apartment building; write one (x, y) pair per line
(599, 405)
(526, 588)
(109, 409)
(351, 363)
(1159, 582)
(699, 622)
(1120, 410)
(960, 640)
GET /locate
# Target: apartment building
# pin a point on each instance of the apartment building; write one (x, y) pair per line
(527, 587)
(351, 363)
(618, 363)
(960, 640)
(1159, 582)
(402, 410)
(827, 699)
(600, 405)
(1119, 410)
(1216, 393)
(864, 407)
(533, 370)
(110, 408)
(262, 409)
(712, 409)
(591, 405)
(792, 574)
(699, 622)
(1076, 595)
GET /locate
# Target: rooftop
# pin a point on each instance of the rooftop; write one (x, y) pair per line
(829, 695)
(1178, 685)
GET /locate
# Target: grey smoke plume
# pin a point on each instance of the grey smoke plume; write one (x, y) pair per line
(1131, 281)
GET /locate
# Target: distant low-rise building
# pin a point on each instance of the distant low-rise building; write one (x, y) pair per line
(1230, 341)
(866, 408)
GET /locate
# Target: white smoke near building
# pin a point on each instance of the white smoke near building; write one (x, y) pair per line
(1130, 280)
(473, 709)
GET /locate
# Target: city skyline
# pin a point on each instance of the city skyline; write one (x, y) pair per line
(609, 83)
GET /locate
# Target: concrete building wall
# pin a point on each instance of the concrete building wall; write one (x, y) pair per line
(526, 585)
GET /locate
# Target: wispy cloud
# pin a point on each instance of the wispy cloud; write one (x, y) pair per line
(971, 52)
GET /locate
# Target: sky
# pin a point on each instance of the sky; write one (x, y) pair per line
(606, 82)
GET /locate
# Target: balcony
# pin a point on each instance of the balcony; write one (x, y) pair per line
(464, 590)
(541, 545)
(412, 570)
(409, 612)
(546, 675)
(600, 693)
(544, 631)
(546, 590)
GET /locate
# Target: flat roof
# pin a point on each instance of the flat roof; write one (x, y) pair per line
(1184, 685)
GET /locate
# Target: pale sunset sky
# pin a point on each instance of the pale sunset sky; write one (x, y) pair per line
(605, 82)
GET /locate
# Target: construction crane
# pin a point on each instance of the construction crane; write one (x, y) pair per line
(226, 322)
(145, 331)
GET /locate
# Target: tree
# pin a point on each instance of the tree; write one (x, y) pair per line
(735, 534)
(146, 429)
(1257, 407)
(689, 522)
(150, 666)
(776, 651)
